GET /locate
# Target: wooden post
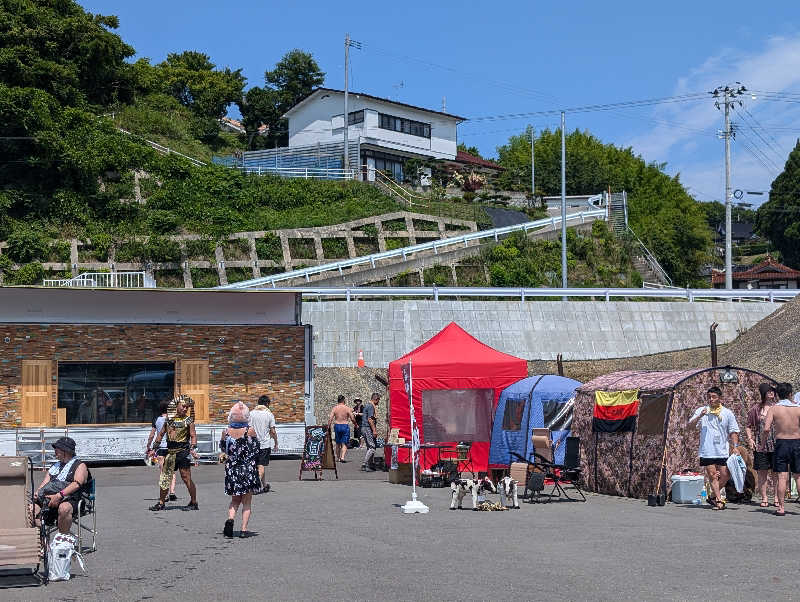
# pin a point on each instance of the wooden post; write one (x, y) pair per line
(713, 335)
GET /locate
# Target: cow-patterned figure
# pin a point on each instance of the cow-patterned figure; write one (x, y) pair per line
(459, 488)
(508, 492)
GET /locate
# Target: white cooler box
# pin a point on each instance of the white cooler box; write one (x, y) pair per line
(686, 488)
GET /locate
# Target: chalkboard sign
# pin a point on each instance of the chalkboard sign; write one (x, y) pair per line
(318, 452)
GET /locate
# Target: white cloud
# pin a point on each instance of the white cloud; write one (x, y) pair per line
(685, 137)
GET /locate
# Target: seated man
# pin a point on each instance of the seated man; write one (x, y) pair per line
(61, 487)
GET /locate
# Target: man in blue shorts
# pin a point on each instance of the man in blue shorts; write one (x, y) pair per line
(341, 417)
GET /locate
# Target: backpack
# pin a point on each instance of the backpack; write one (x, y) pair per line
(60, 554)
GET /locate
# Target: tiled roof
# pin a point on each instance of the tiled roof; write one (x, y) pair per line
(769, 269)
(464, 157)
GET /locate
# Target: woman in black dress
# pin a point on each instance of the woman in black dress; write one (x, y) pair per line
(239, 449)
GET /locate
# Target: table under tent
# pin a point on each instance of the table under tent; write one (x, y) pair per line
(457, 381)
(651, 410)
(539, 401)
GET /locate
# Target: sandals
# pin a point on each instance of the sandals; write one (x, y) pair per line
(780, 513)
(764, 504)
(158, 506)
(719, 506)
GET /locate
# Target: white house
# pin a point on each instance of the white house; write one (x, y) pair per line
(385, 131)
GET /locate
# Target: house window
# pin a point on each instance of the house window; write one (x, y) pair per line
(104, 393)
(355, 117)
(406, 126)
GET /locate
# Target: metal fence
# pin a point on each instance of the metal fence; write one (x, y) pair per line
(435, 246)
(528, 294)
(106, 280)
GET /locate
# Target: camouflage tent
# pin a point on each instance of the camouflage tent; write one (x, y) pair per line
(628, 463)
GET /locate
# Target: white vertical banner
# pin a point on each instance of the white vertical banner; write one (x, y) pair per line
(413, 506)
(408, 381)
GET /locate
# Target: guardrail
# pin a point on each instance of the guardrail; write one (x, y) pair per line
(435, 246)
(651, 259)
(322, 173)
(525, 294)
(165, 149)
(105, 280)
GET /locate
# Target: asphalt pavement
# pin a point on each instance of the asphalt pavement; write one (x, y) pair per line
(346, 539)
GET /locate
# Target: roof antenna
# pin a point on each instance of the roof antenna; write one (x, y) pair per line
(397, 89)
(444, 104)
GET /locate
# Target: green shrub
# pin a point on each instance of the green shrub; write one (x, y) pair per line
(28, 274)
(169, 278)
(371, 230)
(204, 278)
(334, 248)
(161, 221)
(421, 224)
(302, 248)
(366, 246)
(237, 249)
(162, 250)
(27, 244)
(396, 243)
(59, 251)
(439, 275)
(269, 248)
(131, 251)
(238, 274)
(201, 249)
(393, 225)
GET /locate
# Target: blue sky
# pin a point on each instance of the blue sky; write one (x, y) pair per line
(492, 59)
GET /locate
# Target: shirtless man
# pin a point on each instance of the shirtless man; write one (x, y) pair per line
(785, 417)
(341, 417)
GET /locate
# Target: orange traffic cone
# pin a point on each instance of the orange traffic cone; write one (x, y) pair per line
(361, 363)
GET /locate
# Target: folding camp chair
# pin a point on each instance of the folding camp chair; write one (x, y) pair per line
(21, 542)
(571, 471)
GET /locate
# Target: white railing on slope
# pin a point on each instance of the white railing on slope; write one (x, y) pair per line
(436, 293)
(105, 280)
(300, 172)
(164, 149)
(650, 259)
(435, 246)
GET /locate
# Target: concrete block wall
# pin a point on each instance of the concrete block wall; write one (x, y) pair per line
(580, 330)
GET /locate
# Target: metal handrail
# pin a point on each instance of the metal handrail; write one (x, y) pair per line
(523, 294)
(165, 149)
(299, 172)
(435, 246)
(105, 280)
(651, 259)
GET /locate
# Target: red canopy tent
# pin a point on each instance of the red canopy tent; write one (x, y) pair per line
(451, 360)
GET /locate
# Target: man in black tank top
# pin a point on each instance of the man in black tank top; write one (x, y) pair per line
(68, 475)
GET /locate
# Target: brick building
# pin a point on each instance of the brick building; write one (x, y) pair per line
(97, 363)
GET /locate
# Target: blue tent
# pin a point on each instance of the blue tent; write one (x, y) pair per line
(543, 400)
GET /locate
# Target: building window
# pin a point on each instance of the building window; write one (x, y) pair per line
(107, 393)
(406, 126)
(355, 117)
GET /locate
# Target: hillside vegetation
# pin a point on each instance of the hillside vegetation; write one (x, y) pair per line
(67, 86)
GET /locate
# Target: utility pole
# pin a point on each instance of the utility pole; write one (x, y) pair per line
(346, 113)
(533, 169)
(728, 94)
(563, 203)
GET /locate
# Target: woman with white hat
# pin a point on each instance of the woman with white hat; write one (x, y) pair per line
(239, 449)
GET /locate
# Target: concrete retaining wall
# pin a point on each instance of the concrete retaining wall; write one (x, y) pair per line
(580, 330)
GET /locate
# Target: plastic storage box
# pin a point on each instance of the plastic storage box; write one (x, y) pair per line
(686, 488)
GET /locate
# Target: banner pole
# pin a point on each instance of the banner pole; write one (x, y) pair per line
(414, 506)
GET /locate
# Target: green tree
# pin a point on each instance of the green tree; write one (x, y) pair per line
(472, 150)
(667, 219)
(59, 48)
(196, 83)
(779, 218)
(294, 77)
